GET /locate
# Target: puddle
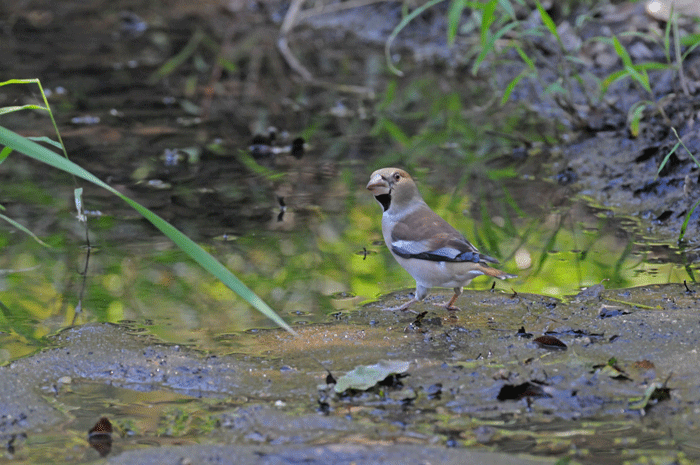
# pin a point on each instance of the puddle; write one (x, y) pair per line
(184, 368)
(325, 260)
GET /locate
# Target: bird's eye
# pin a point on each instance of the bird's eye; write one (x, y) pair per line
(397, 176)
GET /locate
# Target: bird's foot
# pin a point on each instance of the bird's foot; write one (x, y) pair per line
(447, 305)
(403, 308)
(450, 305)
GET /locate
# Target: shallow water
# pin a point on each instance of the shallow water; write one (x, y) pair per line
(318, 260)
(317, 263)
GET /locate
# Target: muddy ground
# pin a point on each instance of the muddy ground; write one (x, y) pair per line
(477, 378)
(479, 388)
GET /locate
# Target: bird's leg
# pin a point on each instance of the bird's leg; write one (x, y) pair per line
(450, 305)
(420, 294)
(404, 307)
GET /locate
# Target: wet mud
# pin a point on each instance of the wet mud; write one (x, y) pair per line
(477, 378)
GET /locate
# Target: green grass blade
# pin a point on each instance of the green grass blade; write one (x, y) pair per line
(548, 22)
(454, 14)
(668, 155)
(23, 229)
(45, 108)
(6, 151)
(507, 8)
(523, 56)
(47, 141)
(394, 131)
(634, 117)
(680, 141)
(510, 87)
(640, 76)
(172, 64)
(404, 22)
(194, 250)
(488, 16)
(6, 110)
(687, 219)
(622, 52)
(612, 77)
(491, 46)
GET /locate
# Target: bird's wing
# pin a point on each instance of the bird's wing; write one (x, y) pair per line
(422, 234)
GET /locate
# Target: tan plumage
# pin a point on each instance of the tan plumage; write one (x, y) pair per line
(425, 245)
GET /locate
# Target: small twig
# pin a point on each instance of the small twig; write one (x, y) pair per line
(291, 60)
(334, 7)
(290, 19)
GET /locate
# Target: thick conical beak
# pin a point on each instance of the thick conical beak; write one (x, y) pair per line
(378, 185)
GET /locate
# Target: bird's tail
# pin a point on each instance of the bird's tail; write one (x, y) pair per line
(487, 270)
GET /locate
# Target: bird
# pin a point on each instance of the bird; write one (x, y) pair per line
(424, 244)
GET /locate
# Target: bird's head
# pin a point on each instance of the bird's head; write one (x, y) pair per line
(392, 186)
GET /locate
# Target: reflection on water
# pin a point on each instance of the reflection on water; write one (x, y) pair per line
(323, 255)
(303, 233)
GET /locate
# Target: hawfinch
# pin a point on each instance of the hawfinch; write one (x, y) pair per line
(425, 245)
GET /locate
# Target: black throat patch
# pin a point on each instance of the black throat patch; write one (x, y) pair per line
(385, 200)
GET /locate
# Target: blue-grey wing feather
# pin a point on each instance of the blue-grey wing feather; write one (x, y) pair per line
(420, 240)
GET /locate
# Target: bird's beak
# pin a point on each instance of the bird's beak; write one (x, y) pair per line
(378, 185)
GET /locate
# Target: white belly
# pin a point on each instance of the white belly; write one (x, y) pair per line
(439, 274)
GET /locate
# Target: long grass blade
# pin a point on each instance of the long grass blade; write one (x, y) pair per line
(194, 250)
(684, 226)
(404, 22)
(23, 229)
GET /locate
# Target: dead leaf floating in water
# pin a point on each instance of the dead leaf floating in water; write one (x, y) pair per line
(100, 436)
(644, 365)
(517, 392)
(366, 376)
(612, 370)
(549, 342)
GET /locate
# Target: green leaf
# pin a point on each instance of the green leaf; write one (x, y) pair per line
(612, 77)
(640, 76)
(194, 250)
(655, 392)
(250, 163)
(697, 163)
(508, 8)
(46, 103)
